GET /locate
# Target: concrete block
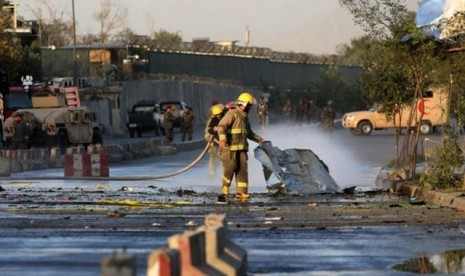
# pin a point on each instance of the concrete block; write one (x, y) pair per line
(23, 158)
(5, 166)
(164, 262)
(119, 264)
(55, 159)
(15, 164)
(222, 253)
(191, 247)
(86, 165)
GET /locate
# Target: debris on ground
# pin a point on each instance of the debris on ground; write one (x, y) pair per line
(294, 171)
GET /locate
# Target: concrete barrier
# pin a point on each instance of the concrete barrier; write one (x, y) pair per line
(5, 166)
(222, 253)
(205, 251)
(36, 159)
(119, 264)
(13, 157)
(55, 159)
(191, 247)
(164, 262)
(95, 163)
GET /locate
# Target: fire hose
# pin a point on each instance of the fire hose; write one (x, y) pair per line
(127, 178)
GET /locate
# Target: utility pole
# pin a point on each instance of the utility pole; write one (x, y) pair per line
(74, 47)
(15, 17)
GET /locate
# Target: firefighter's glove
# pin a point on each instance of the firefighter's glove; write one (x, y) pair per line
(222, 144)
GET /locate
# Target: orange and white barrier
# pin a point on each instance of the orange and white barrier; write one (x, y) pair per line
(205, 251)
(93, 163)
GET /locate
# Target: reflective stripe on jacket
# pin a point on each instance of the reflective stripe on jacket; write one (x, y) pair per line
(234, 128)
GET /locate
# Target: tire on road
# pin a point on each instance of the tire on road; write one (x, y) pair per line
(425, 127)
(365, 127)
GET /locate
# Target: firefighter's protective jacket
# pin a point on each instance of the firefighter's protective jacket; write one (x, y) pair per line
(234, 128)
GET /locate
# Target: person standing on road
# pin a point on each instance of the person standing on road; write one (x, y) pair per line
(288, 112)
(168, 123)
(261, 110)
(187, 124)
(327, 117)
(233, 131)
(21, 132)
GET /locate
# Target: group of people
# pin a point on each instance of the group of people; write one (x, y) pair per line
(228, 131)
(307, 112)
(187, 124)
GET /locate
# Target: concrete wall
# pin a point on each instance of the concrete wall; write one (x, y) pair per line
(250, 71)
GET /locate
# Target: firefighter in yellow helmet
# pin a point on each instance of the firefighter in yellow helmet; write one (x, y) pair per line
(211, 135)
(233, 131)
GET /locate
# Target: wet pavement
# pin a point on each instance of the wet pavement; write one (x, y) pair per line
(56, 227)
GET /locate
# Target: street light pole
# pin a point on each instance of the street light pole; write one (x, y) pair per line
(74, 47)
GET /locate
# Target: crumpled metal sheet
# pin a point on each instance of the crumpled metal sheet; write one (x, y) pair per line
(294, 171)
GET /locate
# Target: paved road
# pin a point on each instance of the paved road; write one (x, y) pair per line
(57, 227)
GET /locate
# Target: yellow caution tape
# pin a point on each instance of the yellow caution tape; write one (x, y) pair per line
(131, 202)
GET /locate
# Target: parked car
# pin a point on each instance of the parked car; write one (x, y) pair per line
(178, 110)
(145, 116)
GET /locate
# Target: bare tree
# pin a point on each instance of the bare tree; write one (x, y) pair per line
(110, 17)
(54, 28)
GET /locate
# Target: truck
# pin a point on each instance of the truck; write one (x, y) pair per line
(56, 118)
(433, 106)
(145, 116)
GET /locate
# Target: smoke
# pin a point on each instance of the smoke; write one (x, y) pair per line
(344, 165)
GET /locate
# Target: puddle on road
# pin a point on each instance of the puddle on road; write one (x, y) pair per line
(448, 262)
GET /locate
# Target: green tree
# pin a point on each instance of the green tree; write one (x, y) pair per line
(128, 37)
(163, 37)
(400, 63)
(9, 50)
(333, 86)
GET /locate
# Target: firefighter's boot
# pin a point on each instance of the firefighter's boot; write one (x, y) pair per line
(222, 197)
(241, 197)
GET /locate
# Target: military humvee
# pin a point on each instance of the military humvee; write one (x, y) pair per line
(53, 122)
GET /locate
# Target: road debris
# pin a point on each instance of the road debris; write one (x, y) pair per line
(294, 171)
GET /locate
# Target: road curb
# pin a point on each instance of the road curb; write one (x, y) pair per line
(452, 200)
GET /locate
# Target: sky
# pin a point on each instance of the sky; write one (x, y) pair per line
(433, 11)
(301, 26)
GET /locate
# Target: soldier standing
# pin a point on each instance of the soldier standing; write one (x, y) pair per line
(288, 112)
(261, 110)
(187, 124)
(300, 111)
(21, 132)
(327, 116)
(168, 121)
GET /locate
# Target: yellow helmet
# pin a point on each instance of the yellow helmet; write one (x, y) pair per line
(217, 109)
(246, 98)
